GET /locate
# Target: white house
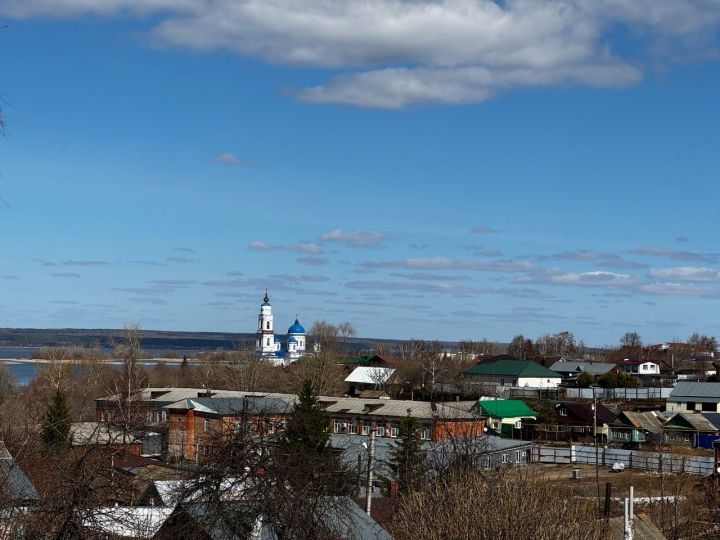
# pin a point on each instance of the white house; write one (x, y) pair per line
(639, 367)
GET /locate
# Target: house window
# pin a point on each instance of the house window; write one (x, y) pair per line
(366, 428)
(381, 430)
(504, 458)
(340, 426)
(690, 405)
(425, 433)
(709, 407)
(207, 425)
(563, 411)
(394, 431)
(352, 426)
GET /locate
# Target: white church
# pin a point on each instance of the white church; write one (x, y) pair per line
(270, 346)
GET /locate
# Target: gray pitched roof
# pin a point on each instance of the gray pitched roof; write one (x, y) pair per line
(14, 485)
(698, 421)
(593, 368)
(701, 392)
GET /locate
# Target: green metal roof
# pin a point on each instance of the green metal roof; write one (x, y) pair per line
(504, 408)
(361, 360)
(515, 368)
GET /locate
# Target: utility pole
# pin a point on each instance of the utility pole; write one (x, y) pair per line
(597, 465)
(629, 510)
(371, 457)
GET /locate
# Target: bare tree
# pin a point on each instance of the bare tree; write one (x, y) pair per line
(129, 382)
(525, 505)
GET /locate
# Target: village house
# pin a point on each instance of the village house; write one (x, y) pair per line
(104, 438)
(196, 426)
(694, 429)
(638, 367)
(435, 421)
(519, 373)
(365, 378)
(201, 419)
(504, 416)
(694, 396)
(572, 421)
(571, 369)
(636, 428)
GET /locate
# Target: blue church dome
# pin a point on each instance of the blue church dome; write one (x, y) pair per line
(296, 328)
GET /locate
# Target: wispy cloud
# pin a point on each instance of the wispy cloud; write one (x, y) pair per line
(301, 247)
(70, 262)
(353, 238)
(678, 255)
(682, 238)
(601, 259)
(65, 275)
(10, 276)
(685, 289)
(483, 229)
(179, 260)
(313, 261)
(445, 263)
(685, 273)
(185, 249)
(446, 288)
(301, 278)
(427, 276)
(228, 158)
(147, 263)
(584, 279)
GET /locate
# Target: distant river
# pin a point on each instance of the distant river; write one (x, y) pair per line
(24, 371)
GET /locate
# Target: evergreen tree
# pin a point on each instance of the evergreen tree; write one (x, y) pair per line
(56, 426)
(407, 458)
(307, 429)
(584, 379)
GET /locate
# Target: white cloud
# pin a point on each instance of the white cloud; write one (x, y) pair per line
(228, 158)
(444, 263)
(592, 278)
(675, 254)
(301, 247)
(391, 53)
(449, 288)
(353, 238)
(686, 289)
(685, 273)
(483, 229)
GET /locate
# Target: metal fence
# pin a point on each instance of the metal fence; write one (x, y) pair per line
(651, 461)
(618, 393)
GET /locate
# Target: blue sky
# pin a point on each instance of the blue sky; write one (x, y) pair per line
(455, 169)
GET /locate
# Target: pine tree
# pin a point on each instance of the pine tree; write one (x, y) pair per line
(407, 458)
(56, 426)
(307, 428)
